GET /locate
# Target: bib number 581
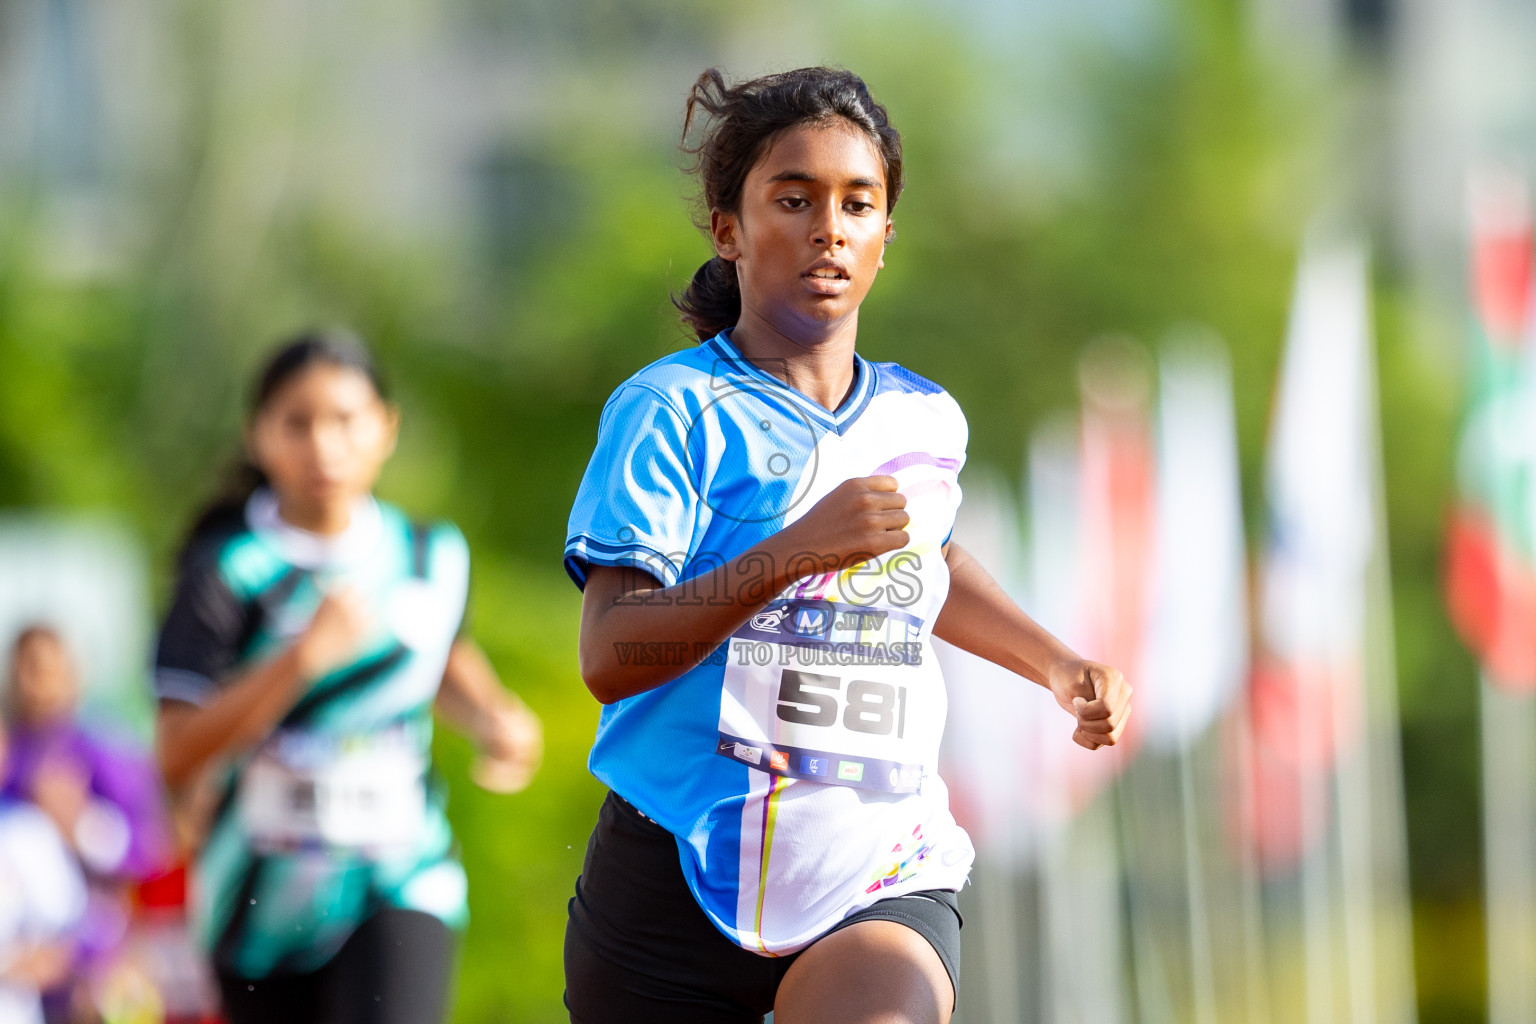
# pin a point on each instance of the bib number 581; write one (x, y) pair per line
(810, 698)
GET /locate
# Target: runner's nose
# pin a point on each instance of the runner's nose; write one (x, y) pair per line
(827, 230)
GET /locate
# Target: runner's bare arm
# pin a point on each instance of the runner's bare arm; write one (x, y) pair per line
(247, 709)
(508, 735)
(39, 967)
(979, 617)
(859, 519)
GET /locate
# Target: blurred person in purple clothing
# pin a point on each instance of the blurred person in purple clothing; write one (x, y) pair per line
(102, 794)
(42, 897)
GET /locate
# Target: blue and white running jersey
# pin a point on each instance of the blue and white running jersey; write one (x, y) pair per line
(797, 764)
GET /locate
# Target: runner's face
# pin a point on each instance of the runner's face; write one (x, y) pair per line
(811, 231)
(323, 437)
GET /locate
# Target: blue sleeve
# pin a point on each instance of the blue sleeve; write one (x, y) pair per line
(638, 503)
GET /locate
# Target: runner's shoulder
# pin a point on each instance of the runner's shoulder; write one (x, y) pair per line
(226, 551)
(438, 542)
(895, 379)
(439, 528)
(686, 381)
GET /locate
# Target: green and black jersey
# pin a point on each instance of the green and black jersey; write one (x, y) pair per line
(337, 813)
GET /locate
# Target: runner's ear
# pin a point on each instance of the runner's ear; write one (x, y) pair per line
(724, 229)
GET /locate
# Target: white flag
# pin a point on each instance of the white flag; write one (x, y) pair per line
(1197, 648)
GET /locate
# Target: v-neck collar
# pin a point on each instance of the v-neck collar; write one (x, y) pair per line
(865, 375)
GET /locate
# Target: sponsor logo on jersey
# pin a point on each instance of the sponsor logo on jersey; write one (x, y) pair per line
(815, 765)
(778, 761)
(813, 621)
(751, 755)
(850, 771)
(770, 620)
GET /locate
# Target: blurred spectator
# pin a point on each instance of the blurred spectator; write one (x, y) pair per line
(103, 797)
(42, 899)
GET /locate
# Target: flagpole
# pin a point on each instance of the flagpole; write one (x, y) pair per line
(1394, 907)
(1317, 917)
(1353, 709)
(1254, 952)
(1000, 946)
(1201, 974)
(1356, 882)
(1084, 913)
(1059, 939)
(1154, 1004)
(1509, 851)
(1103, 870)
(1395, 985)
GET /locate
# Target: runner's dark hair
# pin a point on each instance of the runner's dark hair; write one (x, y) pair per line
(740, 122)
(329, 346)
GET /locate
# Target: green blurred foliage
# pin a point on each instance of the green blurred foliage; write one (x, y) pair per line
(1194, 179)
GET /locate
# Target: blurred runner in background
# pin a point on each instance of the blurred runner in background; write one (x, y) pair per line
(103, 795)
(312, 632)
(42, 899)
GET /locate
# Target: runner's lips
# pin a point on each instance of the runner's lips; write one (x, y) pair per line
(827, 276)
(820, 267)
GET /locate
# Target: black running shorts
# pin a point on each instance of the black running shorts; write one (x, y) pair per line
(395, 969)
(639, 950)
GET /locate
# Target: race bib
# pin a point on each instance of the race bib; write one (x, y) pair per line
(363, 792)
(831, 693)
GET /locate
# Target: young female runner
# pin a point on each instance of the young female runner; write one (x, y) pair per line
(312, 633)
(762, 538)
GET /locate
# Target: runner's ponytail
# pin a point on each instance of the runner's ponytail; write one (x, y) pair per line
(712, 301)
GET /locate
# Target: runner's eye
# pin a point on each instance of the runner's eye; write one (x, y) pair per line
(794, 202)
